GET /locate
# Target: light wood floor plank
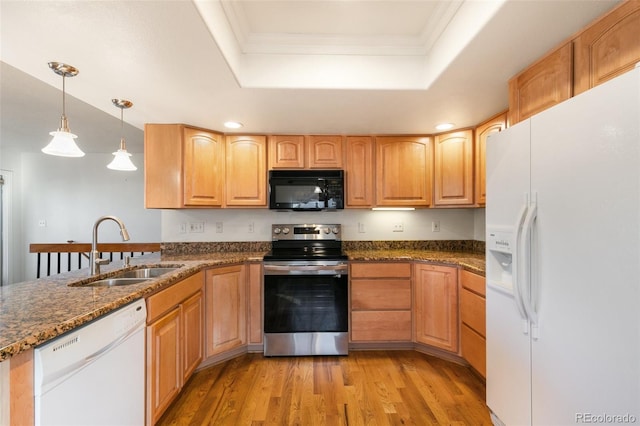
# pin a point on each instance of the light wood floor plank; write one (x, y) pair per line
(364, 388)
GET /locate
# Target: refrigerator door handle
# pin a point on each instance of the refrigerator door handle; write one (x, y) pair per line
(517, 266)
(525, 249)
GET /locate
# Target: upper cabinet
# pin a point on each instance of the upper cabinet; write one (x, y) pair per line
(453, 169)
(203, 172)
(246, 178)
(543, 85)
(495, 124)
(403, 171)
(359, 171)
(286, 152)
(324, 152)
(183, 167)
(300, 152)
(608, 47)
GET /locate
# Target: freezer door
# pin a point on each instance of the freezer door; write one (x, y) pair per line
(586, 172)
(508, 343)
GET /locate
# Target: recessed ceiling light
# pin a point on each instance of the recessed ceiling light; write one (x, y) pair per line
(444, 126)
(232, 125)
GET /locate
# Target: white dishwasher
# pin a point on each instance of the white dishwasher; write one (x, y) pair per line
(94, 375)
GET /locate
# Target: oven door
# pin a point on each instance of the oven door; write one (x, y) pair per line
(306, 309)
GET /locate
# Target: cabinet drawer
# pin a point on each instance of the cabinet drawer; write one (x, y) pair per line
(161, 302)
(473, 282)
(381, 326)
(474, 349)
(380, 294)
(472, 311)
(380, 270)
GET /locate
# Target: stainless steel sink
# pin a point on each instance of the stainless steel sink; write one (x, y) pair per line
(110, 282)
(145, 272)
(134, 276)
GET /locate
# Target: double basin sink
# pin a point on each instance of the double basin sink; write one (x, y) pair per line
(134, 276)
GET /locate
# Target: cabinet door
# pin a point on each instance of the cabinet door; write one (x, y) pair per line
(496, 124)
(286, 152)
(324, 152)
(254, 282)
(359, 171)
(403, 171)
(163, 187)
(608, 48)
(453, 169)
(192, 325)
(436, 299)
(203, 168)
(246, 171)
(164, 366)
(543, 85)
(225, 309)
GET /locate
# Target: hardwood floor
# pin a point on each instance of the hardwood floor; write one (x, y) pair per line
(364, 388)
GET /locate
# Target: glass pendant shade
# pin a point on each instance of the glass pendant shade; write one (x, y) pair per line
(121, 160)
(63, 145)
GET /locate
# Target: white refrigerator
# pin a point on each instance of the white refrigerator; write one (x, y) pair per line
(563, 262)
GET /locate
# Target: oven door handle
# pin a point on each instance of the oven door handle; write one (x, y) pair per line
(293, 269)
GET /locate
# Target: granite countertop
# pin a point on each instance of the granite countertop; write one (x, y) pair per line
(34, 312)
(472, 262)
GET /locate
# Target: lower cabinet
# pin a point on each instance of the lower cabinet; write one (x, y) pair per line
(380, 302)
(473, 320)
(436, 306)
(174, 342)
(226, 317)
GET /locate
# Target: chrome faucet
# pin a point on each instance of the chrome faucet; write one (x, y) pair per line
(94, 257)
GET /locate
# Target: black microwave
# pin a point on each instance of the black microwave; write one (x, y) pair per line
(306, 190)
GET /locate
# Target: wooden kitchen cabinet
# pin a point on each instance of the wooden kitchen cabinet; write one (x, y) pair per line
(255, 326)
(404, 169)
(544, 84)
(436, 306)
(305, 152)
(453, 169)
(359, 170)
(482, 132)
(473, 320)
(286, 152)
(246, 171)
(183, 167)
(324, 152)
(174, 342)
(380, 302)
(225, 307)
(608, 47)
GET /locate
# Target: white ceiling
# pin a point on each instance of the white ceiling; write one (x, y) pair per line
(295, 66)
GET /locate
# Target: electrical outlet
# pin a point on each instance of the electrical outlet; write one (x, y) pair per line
(435, 226)
(251, 227)
(361, 228)
(196, 227)
(398, 227)
(183, 228)
(42, 223)
(219, 228)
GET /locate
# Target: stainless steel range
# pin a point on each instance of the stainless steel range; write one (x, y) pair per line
(306, 291)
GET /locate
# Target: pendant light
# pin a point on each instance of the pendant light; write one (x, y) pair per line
(63, 143)
(121, 160)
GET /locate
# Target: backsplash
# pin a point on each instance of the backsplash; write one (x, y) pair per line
(175, 249)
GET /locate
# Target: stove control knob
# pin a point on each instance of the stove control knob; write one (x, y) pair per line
(285, 230)
(335, 230)
(276, 231)
(327, 230)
